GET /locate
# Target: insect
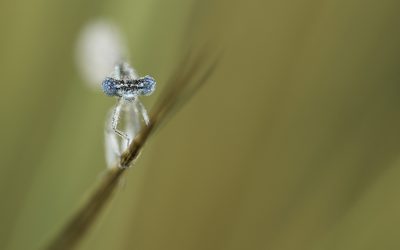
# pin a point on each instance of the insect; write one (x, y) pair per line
(129, 115)
(129, 89)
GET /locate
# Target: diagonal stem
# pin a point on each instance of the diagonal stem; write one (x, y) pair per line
(84, 218)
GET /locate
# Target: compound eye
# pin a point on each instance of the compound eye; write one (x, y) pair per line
(147, 85)
(109, 86)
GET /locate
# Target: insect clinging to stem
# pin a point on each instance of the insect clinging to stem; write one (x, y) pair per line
(127, 86)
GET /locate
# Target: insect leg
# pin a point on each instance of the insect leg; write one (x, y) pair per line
(143, 112)
(115, 120)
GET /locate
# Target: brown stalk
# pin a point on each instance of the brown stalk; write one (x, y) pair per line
(181, 86)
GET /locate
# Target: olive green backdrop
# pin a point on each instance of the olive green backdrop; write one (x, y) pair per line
(293, 143)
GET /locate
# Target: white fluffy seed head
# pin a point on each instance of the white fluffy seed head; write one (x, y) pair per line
(100, 46)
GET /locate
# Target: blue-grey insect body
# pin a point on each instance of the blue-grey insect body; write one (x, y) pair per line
(129, 89)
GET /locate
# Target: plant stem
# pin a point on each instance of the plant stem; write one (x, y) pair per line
(84, 218)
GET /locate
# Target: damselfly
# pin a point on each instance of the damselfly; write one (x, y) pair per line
(129, 115)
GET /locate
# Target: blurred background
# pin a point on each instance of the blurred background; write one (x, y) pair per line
(293, 142)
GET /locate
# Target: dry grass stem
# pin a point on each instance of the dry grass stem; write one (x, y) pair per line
(184, 83)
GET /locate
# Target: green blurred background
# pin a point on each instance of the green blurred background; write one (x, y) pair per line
(293, 143)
